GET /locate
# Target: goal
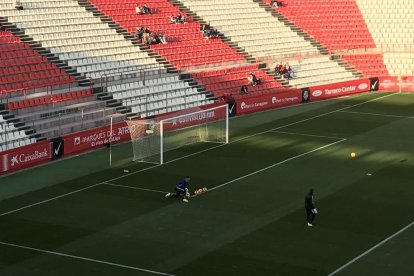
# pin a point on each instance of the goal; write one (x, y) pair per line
(180, 134)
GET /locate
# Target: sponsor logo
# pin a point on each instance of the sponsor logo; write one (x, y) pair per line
(317, 93)
(14, 160)
(195, 117)
(374, 85)
(232, 108)
(274, 100)
(28, 157)
(243, 105)
(363, 86)
(58, 148)
(77, 141)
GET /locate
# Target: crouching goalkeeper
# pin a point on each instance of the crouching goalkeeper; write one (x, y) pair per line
(181, 190)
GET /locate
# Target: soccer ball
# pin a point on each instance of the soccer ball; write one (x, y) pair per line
(353, 154)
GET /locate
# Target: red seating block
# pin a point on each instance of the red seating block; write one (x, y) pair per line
(23, 68)
(186, 46)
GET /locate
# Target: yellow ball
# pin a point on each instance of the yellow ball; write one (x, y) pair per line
(353, 154)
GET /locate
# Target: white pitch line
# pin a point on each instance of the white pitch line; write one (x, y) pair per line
(85, 259)
(47, 200)
(234, 141)
(379, 114)
(371, 249)
(134, 188)
(309, 135)
(274, 165)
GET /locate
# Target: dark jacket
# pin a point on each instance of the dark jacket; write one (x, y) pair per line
(309, 200)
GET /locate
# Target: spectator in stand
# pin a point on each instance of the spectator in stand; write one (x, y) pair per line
(146, 9)
(288, 73)
(253, 80)
(281, 69)
(277, 72)
(213, 34)
(173, 20)
(138, 9)
(276, 3)
(205, 29)
(146, 38)
(180, 18)
(139, 33)
(152, 39)
(160, 38)
(18, 5)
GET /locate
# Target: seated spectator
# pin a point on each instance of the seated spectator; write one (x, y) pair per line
(146, 38)
(180, 18)
(244, 90)
(253, 80)
(18, 5)
(281, 69)
(138, 9)
(277, 72)
(205, 29)
(160, 38)
(276, 3)
(139, 33)
(288, 73)
(146, 9)
(152, 39)
(213, 34)
(173, 20)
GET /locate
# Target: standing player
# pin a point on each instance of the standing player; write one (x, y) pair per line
(181, 190)
(310, 207)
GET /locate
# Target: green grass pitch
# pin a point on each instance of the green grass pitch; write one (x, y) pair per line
(80, 217)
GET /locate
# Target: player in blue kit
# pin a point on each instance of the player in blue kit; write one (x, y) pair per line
(181, 189)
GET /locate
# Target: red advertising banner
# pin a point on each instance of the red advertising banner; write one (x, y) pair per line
(198, 115)
(388, 84)
(25, 157)
(95, 138)
(393, 84)
(339, 89)
(259, 102)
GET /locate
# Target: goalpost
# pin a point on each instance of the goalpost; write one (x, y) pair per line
(153, 138)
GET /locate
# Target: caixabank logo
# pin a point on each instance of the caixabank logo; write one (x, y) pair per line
(26, 157)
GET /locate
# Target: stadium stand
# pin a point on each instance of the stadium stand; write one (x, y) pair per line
(11, 137)
(390, 23)
(186, 47)
(229, 81)
(341, 29)
(263, 36)
(23, 68)
(96, 52)
(369, 64)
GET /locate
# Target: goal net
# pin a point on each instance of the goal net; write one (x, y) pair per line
(179, 134)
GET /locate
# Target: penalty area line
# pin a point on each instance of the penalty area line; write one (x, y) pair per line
(85, 259)
(371, 249)
(275, 164)
(308, 135)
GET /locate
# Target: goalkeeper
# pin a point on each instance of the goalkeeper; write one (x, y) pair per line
(181, 190)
